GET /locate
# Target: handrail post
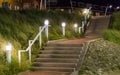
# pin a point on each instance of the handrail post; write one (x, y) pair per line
(40, 37)
(30, 41)
(19, 57)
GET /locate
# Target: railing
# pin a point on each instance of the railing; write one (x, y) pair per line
(31, 42)
(82, 56)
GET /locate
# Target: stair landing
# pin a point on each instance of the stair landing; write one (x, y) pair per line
(76, 41)
(42, 73)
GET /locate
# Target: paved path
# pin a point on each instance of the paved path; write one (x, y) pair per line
(41, 73)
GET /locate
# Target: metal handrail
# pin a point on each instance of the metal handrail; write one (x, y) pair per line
(31, 42)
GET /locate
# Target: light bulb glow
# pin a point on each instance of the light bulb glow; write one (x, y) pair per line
(75, 25)
(9, 46)
(110, 6)
(46, 22)
(63, 24)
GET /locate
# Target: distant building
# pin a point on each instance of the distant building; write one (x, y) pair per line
(39, 4)
(6, 3)
(26, 4)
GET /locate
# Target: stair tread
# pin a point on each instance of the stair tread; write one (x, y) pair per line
(60, 50)
(58, 54)
(53, 63)
(60, 58)
(65, 60)
(54, 67)
(62, 47)
(59, 69)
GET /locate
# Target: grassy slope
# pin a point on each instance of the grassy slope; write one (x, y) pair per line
(113, 34)
(17, 27)
(102, 55)
(105, 55)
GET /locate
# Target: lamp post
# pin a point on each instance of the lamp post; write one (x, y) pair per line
(46, 23)
(8, 52)
(63, 28)
(85, 12)
(107, 9)
(75, 27)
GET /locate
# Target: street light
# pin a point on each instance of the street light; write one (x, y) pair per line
(75, 27)
(63, 28)
(46, 23)
(110, 6)
(117, 8)
(8, 52)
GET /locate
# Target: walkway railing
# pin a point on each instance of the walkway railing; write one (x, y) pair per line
(31, 42)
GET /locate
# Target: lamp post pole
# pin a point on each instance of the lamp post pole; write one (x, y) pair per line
(85, 15)
(63, 28)
(75, 27)
(107, 9)
(46, 23)
(8, 52)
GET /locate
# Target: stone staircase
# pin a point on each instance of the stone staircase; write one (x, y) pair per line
(98, 24)
(58, 58)
(64, 57)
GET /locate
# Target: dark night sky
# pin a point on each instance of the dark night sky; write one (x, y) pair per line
(98, 2)
(102, 2)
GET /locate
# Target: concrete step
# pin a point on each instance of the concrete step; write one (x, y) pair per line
(53, 64)
(58, 55)
(57, 69)
(65, 60)
(60, 51)
(65, 45)
(62, 48)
